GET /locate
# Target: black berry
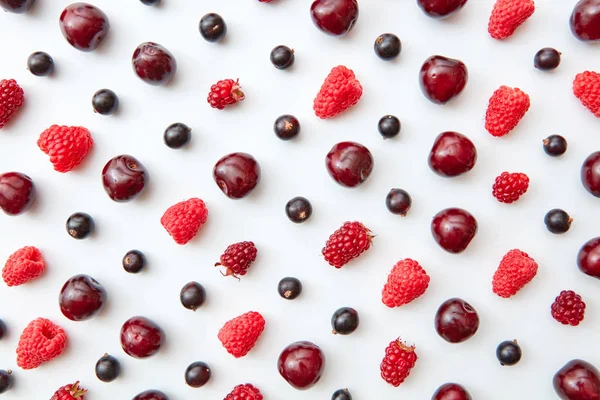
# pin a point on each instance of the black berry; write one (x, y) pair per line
(289, 288)
(387, 46)
(108, 368)
(197, 374)
(2, 329)
(342, 394)
(557, 221)
(298, 209)
(80, 225)
(177, 135)
(212, 27)
(192, 296)
(398, 201)
(6, 380)
(344, 321)
(389, 126)
(508, 352)
(286, 127)
(555, 145)
(105, 102)
(134, 261)
(546, 59)
(40, 64)
(150, 2)
(282, 57)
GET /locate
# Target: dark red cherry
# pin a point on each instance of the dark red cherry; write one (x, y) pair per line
(237, 174)
(585, 20)
(151, 395)
(301, 364)
(453, 229)
(84, 26)
(451, 391)
(16, 6)
(456, 321)
(452, 154)
(124, 177)
(441, 8)
(141, 338)
(17, 193)
(577, 380)
(442, 78)
(334, 17)
(590, 173)
(588, 258)
(349, 163)
(81, 297)
(153, 63)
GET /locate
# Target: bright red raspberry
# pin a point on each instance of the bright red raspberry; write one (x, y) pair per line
(70, 392)
(225, 93)
(11, 99)
(347, 243)
(568, 308)
(506, 108)
(407, 281)
(67, 146)
(515, 271)
(244, 392)
(240, 334)
(508, 15)
(586, 87)
(23, 265)
(508, 187)
(184, 219)
(40, 342)
(237, 258)
(399, 359)
(340, 91)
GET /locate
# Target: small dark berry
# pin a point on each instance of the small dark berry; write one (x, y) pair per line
(177, 135)
(387, 46)
(344, 321)
(134, 261)
(289, 288)
(398, 201)
(557, 221)
(80, 225)
(105, 102)
(389, 126)
(108, 368)
(555, 145)
(40, 64)
(282, 57)
(2, 329)
(286, 127)
(342, 394)
(298, 209)
(212, 27)
(197, 374)
(150, 2)
(508, 352)
(192, 296)
(6, 380)
(546, 59)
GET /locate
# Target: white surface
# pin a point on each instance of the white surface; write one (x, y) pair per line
(297, 168)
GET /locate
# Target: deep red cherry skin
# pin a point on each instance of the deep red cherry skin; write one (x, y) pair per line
(451, 391)
(442, 78)
(590, 173)
(301, 364)
(151, 395)
(237, 174)
(453, 229)
(349, 163)
(577, 380)
(588, 258)
(84, 26)
(452, 154)
(153, 63)
(141, 338)
(441, 8)
(16, 6)
(81, 298)
(17, 193)
(334, 17)
(456, 321)
(124, 177)
(585, 20)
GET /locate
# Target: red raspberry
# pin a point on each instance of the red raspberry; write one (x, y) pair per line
(70, 392)
(240, 334)
(11, 99)
(515, 271)
(23, 265)
(568, 308)
(224, 93)
(586, 87)
(507, 15)
(340, 91)
(407, 281)
(244, 392)
(184, 219)
(347, 243)
(399, 359)
(237, 258)
(506, 108)
(40, 342)
(508, 187)
(67, 146)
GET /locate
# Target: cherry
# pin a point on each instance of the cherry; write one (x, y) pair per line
(334, 17)
(197, 374)
(6, 380)
(124, 178)
(585, 20)
(151, 395)
(349, 163)
(456, 321)
(301, 364)
(84, 26)
(577, 380)
(16, 6)
(441, 8)
(81, 297)
(588, 258)
(141, 338)
(17, 193)
(451, 391)
(452, 154)
(453, 229)
(590, 173)
(153, 63)
(442, 78)
(237, 174)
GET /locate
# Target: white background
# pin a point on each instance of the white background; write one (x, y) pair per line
(297, 168)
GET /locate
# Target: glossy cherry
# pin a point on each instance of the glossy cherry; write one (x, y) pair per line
(441, 8)
(84, 26)
(590, 173)
(456, 321)
(301, 364)
(349, 163)
(151, 395)
(585, 20)
(451, 391)
(442, 78)
(588, 258)
(124, 177)
(81, 298)
(16, 6)
(237, 174)
(577, 380)
(452, 154)
(453, 229)
(17, 193)
(334, 17)
(141, 338)
(153, 63)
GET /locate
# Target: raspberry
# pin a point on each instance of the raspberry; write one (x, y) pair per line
(70, 392)
(515, 271)
(508, 15)
(224, 93)
(399, 359)
(568, 308)
(40, 342)
(407, 281)
(347, 243)
(240, 334)
(244, 392)
(184, 219)
(237, 258)
(23, 265)
(67, 146)
(586, 87)
(11, 99)
(508, 187)
(506, 108)
(340, 91)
